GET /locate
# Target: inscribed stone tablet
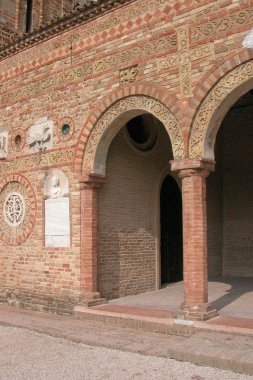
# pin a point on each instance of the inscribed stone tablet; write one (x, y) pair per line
(57, 222)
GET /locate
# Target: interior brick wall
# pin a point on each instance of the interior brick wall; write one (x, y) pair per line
(128, 216)
(230, 212)
(237, 193)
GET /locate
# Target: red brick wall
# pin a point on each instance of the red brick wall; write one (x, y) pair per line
(51, 79)
(128, 216)
(8, 12)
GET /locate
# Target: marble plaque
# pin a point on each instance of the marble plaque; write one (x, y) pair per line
(3, 144)
(40, 135)
(57, 222)
(248, 40)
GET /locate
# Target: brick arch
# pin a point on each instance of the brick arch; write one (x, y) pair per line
(113, 112)
(221, 89)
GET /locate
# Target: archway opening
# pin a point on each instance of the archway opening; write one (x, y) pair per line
(171, 231)
(128, 207)
(230, 207)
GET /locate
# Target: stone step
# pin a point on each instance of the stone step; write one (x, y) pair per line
(155, 324)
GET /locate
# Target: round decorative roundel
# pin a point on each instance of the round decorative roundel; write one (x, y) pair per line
(18, 139)
(14, 209)
(66, 128)
(18, 209)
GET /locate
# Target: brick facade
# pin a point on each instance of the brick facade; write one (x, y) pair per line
(181, 61)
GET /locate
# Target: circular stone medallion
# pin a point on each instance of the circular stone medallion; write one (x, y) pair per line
(18, 210)
(14, 209)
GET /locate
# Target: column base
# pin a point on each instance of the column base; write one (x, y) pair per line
(90, 299)
(201, 312)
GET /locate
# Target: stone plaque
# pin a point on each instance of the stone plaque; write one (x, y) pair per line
(248, 40)
(40, 135)
(57, 222)
(3, 144)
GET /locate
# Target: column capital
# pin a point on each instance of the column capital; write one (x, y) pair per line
(91, 181)
(195, 167)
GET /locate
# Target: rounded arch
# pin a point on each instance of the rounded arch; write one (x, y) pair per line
(219, 99)
(113, 112)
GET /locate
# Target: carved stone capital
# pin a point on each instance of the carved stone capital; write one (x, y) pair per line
(189, 168)
(91, 181)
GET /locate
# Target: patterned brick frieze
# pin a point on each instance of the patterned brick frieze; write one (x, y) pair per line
(119, 59)
(172, 60)
(140, 13)
(224, 23)
(38, 161)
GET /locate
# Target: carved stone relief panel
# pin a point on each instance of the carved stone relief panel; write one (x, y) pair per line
(40, 135)
(3, 144)
(184, 61)
(57, 214)
(128, 75)
(56, 184)
(248, 40)
(18, 209)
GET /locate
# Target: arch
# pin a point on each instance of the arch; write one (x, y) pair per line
(225, 92)
(113, 112)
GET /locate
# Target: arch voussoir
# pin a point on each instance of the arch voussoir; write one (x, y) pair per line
(208, 118)
(142, 97)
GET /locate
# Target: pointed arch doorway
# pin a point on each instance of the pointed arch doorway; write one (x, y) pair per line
(171, 243)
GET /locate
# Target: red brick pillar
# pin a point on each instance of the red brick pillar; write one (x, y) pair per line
(88, 278)
(193, 174)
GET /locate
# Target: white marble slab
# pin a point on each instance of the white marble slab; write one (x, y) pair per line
(57, 222)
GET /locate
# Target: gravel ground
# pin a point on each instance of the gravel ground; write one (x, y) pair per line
(31, 356)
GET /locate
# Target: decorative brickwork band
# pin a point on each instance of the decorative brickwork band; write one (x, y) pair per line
(193, 174)
(88, 267)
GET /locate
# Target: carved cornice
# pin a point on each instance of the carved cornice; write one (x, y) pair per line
(90, 11)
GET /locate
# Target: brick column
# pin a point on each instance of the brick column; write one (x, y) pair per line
(193, 174)
(89, 192)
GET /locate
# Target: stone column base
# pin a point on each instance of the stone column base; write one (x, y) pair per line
(91, 299)
(197, 312)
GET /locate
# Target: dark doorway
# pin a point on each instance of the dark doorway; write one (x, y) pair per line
(171, 232)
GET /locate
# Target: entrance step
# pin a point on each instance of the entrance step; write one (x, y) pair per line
(141, 318)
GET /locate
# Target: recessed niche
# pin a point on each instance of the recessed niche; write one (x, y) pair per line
(65, 129)
(142, 131)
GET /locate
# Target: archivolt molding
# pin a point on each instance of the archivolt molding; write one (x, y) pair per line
(202, 136)
(120, 107)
